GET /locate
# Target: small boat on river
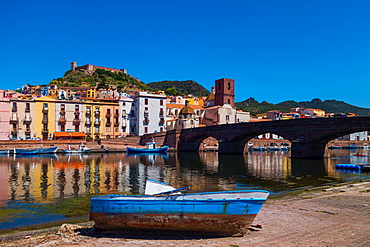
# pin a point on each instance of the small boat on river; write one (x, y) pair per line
(20, 151)
(81, 149)
(151, 148)
(4, 152)
(352, 167)
(164, 209)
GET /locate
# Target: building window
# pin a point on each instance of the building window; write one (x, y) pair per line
(88, 110)
(228, 86)
(146, 130)
(97, 129)
(88, 129)
(77, 107)
(146, 101)
(161, 102)
(27, 106)
(227, 117)
(63, 128)
(108, 128)
(62, 107)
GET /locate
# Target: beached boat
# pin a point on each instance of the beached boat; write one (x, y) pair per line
(81, 149)
(163, 209)
(151, 148)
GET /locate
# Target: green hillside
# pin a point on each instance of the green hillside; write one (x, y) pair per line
(100, 78)
(329, 106)
(180, 88)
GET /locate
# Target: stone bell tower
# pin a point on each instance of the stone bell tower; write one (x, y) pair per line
(224, 92)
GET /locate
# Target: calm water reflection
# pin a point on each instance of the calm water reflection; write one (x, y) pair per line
(28, 182)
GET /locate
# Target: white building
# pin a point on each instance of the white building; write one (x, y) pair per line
(125, 108)
(149, 111)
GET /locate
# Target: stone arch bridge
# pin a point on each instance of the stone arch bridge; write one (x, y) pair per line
(308, 136)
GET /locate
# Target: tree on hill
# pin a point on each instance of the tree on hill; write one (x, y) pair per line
(182, 87)
(329, 106)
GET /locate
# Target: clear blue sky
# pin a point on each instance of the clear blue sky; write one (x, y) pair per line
(275, 50)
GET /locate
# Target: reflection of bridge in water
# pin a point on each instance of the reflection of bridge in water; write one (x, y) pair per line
(308, 136)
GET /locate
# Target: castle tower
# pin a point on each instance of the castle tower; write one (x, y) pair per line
(224, 92)
(73, 66)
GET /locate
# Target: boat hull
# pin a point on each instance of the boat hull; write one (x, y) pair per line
(212, 213)
(147, 150)
(205, 225)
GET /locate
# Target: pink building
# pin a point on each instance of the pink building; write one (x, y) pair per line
(4, 116)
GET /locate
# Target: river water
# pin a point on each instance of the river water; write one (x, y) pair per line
(40, 189)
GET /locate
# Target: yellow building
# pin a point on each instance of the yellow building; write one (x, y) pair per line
(44, 117)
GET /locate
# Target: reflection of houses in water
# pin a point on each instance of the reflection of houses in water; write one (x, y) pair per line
(269, 166)
(4, 183)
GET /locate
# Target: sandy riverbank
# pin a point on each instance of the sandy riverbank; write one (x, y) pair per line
(338, 216)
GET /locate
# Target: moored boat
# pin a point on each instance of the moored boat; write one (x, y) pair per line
(50, 150)
(81, 149)
(4, 152)
(21, 151)
(151, 148)
(224, 213)
(352, 167)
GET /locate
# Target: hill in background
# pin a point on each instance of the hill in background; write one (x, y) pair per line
(329, 106)
(100, 78)
(180, 88)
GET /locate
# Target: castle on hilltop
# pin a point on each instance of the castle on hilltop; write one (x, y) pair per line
(89, 68)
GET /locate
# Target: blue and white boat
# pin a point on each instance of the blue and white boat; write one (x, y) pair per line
(51, 150)
(164, 209)
(151, 148)
(19, 151)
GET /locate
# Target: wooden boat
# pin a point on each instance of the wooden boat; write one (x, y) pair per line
(151, 148)
(164, 209)
(51, 150)
(81, 149)
(35, 151)
(20, 151)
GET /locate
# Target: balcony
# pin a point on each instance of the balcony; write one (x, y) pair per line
(14, 109)
(146, 113)
(108, 115)
(45, 121)
(88, 114)
(45, 110)
(14, 133)
(27, 121)
(161, 122)
(45, 132)
(62, 113)
(77, 113)
(28, 110)
(13, 121)
(97, 123)
(62, 121)
(76, 122)
(146, 121)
